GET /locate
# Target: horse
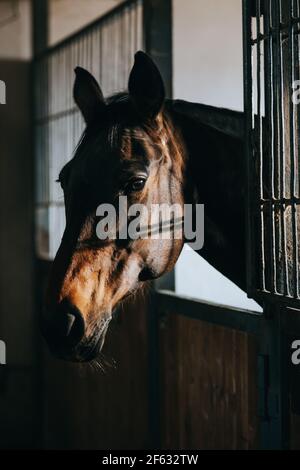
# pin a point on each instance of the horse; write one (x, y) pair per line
(153, 150)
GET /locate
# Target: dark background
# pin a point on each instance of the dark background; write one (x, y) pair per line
(179, 374)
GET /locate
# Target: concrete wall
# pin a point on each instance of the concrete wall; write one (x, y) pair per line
(15, 31)
(68, 16)
(208, 52)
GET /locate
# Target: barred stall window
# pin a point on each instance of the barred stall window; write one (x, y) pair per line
(106, 48)
(272, 46)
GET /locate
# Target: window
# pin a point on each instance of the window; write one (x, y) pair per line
(106, 49)
(211, 73)
(272, 71)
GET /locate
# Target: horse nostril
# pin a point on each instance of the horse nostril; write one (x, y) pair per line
(65, 324)
(68, 325)
(147, 274)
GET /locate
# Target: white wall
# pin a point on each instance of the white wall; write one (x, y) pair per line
(67, 16)
(208, 52)
(208, 68)
(15, 30)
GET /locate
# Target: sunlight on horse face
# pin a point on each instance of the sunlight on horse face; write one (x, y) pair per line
(129, 148)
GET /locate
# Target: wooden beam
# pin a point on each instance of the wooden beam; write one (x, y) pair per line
(40, 26)
(158, 37)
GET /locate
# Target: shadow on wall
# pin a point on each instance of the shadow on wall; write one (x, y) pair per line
(17, 324)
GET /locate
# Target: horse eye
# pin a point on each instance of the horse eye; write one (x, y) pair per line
(136, 185)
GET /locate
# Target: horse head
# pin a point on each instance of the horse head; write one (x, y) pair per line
(130, 148)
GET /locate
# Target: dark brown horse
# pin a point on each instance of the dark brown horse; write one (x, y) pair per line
(150, 149)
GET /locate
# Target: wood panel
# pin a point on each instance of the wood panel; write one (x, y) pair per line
(18, 408)
(18, 384)
(208, 386)
(16, 216)
(91, 409)
(295, 431)
(292, 326)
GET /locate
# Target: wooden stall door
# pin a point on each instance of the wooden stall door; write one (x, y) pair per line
(208, 386)
(96, 409)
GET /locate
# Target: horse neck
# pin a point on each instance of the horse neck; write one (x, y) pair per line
(215, 171)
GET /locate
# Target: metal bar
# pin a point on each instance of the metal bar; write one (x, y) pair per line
(274, 31)
(273, 158)
(258, 85)
(281, 201)
(266, 268)
(283, 272)
(275, 298)
(274, 146)
(259, 134)
(274, 426)
(247, 60)
(297, 77)
(293, 154)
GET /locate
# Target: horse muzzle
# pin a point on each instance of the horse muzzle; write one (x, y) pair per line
(64, 331)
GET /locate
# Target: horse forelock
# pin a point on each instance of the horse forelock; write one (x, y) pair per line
(123, 134)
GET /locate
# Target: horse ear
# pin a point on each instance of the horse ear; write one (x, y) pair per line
(146, 87)
(87, 94)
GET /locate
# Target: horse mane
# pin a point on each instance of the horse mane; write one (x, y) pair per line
(227, 121)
